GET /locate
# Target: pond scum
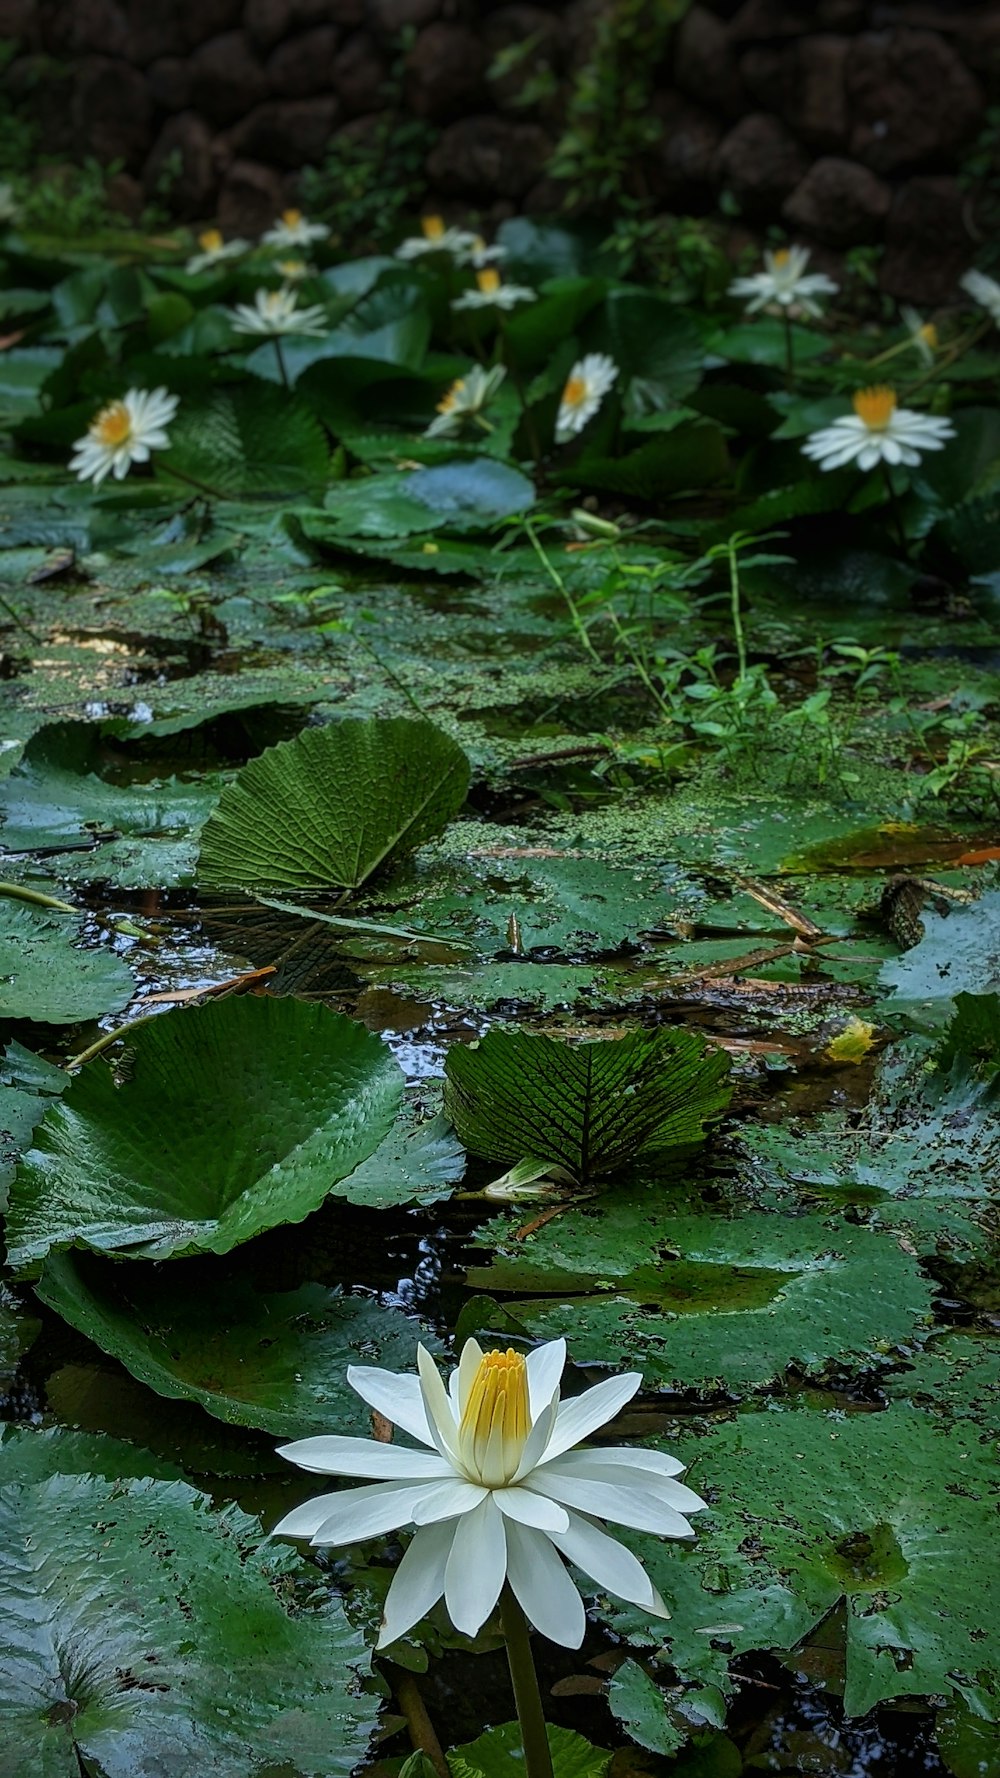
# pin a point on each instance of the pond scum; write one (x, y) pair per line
(500, 823)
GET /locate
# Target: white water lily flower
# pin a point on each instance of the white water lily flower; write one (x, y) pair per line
(499, 1493)
(923, 334)
(985, 291)
(213, 250)
(585, 388)
(478, 254)
(465, 400)
(292, 229)
(785, 282)
(277, 311)
(123, 433)
(294, 270)
(490, 293)
(436, 238)
(877, 432)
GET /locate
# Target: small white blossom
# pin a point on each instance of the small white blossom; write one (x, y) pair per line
(277, 311)
(586, 386)
(435, 238)
(478, 254)
(499, 1491)
(213, 250)
(465, 401)
(985, 291)
(293, 230)
(490, 293)
(877, 432)
(785, 282)
(123, 433)
(293, 271)
(923, 334)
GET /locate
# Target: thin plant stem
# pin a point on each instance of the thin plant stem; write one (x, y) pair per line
(282, 368)
(897, 517)
(418, 1724)
(524, 1679)
(639, 665)
(789, 348)
(19, 622)
(577, 621)
(104, 1042)
(734, 605)
(35, 897)
(179, 475)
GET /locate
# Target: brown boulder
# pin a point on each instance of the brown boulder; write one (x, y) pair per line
(911, 98)
(303, 66)
(169, 83)
(839, 202)
(389, 17)
(182, 158)
(680, 170)
(250, 198)
(227, 79)
(111, 111)
(489, 156)
(359, 75)
(927, 242)
(175, 27)
(20, 23)
(804, 83)
(288, 133)
(445, 73)
(705, 65)
(760, 163)
(266, 22)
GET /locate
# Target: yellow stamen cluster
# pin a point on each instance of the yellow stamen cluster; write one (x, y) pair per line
(113, 425)
(210, 240)
(488, 280)
(450, 397)
(291, 218)
(780, 258)
(574, 392)
(433, 227)
(875, 406)
(496, 1419)
(929, 334)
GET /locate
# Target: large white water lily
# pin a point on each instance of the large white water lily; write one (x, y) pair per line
(498, 1492)
(878, 431)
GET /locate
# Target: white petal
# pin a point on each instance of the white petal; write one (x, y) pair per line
(609, 1563)
(537, 1441)
(437, 1405)
(624, 1505)
(449, 1500)
(476, 1568)
(543, 1588)
(460, 1381)
(630, 1457)
(305, 1520)
(418, 1581)
(891, 450)
(367, 1512)
(531, 1509)
(662, 1489)
(577, 1418)
(333, 1455)
(545, 1366)
(396, 1396)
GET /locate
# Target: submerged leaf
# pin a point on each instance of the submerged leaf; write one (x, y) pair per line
(592, 1108)
(45, 974)
(335, 805)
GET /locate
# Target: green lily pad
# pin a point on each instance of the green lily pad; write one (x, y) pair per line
(27, 1083)
(232, 1117)
(333, 806)
(30, 1454)
(706, 1300)
(958, 954)
(277, 1361)
(149, 1637)
(591, 1108)
(639, 1704)
(17, 1332)
(48, 976)
(499, 1753)
(887, 1514)
(254, 440)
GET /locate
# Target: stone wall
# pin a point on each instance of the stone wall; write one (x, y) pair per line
(845, 120)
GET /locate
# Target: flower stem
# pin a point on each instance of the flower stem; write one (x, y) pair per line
(279, 354)
(524, 1679)
(897, 517)
(789, 349)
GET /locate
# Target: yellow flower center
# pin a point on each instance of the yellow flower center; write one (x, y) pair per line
(875, 406)
(488, 280)
(780, 258)
(292, 268)
(929, 334)
(574, 392)
(291, 218)
(450, 397)
(497, 1418)
(113, 425)
(433, 227)
(210, 241)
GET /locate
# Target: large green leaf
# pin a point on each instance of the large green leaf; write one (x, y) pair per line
(255, 440)
(591, 1108)
(277, 1361)
(706, 1301)
(143, 1635)
(958, 954)
(499, 1753)
(231, 1117)
(467, 495)
(27, 1083)
(691, 456)
(47, 975)
(17, 1333)
(889, 1514)
(333, 806)
(34, 1453)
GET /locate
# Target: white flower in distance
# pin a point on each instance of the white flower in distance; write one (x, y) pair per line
(877, 432)
(585, 388)
(436, 238)
(786, 283)
(213, 250)
(123, 433)
(292, 229)
(501, 1494)
(8, 203)
(478, 254)
(985, 291)
(923, 334)
(465, 400)
(490, 293)
(277, 311)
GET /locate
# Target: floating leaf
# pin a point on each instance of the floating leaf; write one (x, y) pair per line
(148, 1637)
(591, 1108)
(335, 805)
(707, 1301)
(27, 1083)
(499, 1753)
(17, 1332)
(247, 441)
(31, 1454)
(47, 975)
(639, 1704)
(276, 1361)
(958, 954)
(232, 1117)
